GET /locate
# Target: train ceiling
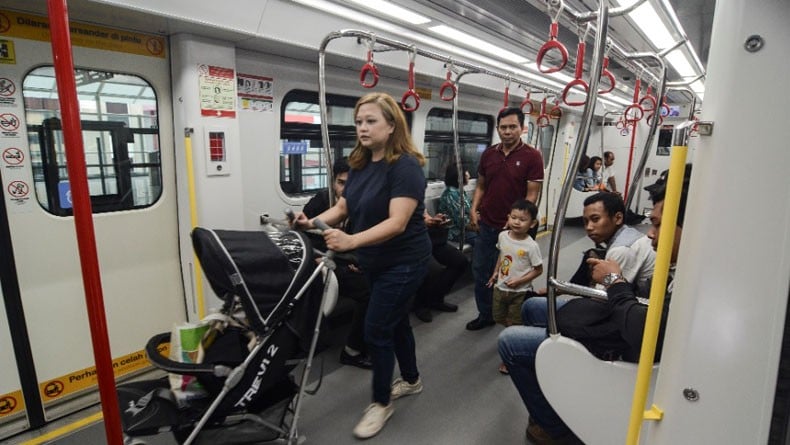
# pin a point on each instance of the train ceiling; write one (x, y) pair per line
(524, 23)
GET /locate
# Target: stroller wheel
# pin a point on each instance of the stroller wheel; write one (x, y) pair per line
(133, 441)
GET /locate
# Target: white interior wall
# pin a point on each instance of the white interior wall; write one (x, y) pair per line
(724, 333)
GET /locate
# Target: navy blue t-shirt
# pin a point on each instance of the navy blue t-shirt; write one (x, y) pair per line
(368, 193)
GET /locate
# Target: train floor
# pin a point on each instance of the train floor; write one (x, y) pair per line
(465, 399)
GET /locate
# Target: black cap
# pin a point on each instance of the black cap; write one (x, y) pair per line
(659, 185)
(658, 188)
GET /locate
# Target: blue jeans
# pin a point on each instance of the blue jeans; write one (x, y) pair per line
(517, 347)
(483, 262)
(535, 311)
(387, 330)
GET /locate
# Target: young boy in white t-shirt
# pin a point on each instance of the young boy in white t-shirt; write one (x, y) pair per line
(519, 263)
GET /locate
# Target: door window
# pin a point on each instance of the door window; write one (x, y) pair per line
(120, 133)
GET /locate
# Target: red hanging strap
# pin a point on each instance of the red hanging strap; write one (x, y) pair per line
(577, 81)
(369, 68)
(543, 118)
(448, 90)
(526, 104)
(410, 93)
(648, 101)
(634, 112)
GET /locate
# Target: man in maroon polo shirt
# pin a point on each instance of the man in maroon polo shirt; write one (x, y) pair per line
(507, 171)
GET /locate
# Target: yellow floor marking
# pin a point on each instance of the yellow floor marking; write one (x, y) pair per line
(54, 434)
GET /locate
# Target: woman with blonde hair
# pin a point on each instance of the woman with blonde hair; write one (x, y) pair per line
(384, 200)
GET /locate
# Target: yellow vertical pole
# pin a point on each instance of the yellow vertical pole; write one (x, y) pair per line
(193, 217)
(666, 238)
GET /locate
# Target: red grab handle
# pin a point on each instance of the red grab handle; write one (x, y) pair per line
(543, 118)
(664, 111)
(648, 102)
(608, 75)
(448, 90)
(635, 112)
(369, 69)
(578, 81)
(528, 104)
(556, 111)
(551, 44)
(410, 93)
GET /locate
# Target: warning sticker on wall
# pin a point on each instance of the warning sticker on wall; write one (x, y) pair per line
(86, 378)
(34, 27)
(11, 404)
(7, 90)
(217, 91)
(256, 93)
(7, 53)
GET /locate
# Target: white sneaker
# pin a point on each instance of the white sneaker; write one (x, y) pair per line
(373, 420)
(401, 388)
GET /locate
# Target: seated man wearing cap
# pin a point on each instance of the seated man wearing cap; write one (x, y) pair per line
(622, 315)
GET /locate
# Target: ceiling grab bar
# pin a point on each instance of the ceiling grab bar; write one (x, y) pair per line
(581, 142)
(371, 37)
(652, 126)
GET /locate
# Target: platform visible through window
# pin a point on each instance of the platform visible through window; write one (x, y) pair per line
(120, 132)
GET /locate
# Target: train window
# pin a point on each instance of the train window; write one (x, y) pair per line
(302, 157)
(120, 132)
(545, 143)
(474, 135)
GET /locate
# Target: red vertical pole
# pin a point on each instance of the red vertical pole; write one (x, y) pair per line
(630, 161)
(83, 215)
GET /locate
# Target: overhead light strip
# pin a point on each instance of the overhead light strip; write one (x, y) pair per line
(394, 11)
(481, 45)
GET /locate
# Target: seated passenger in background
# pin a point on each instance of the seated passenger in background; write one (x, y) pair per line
(595, 174)
(519, 263)
(621, 316)
(351, 281)
(450, 205)
(583, 180)
(603, 219)
(437, 284)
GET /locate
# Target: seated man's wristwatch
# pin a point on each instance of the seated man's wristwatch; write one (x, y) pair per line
(611, 278)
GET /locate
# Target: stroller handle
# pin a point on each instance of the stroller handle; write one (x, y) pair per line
(320, 224)
(162, 362)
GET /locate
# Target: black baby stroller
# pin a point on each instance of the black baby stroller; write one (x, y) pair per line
(269, 285)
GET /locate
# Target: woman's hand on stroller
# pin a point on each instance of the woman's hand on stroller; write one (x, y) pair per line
(300, 221)
(338, 240)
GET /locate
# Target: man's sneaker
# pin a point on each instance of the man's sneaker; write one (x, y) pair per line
(402, 388)
(373, 420)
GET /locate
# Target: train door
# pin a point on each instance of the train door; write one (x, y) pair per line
(123, 86)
